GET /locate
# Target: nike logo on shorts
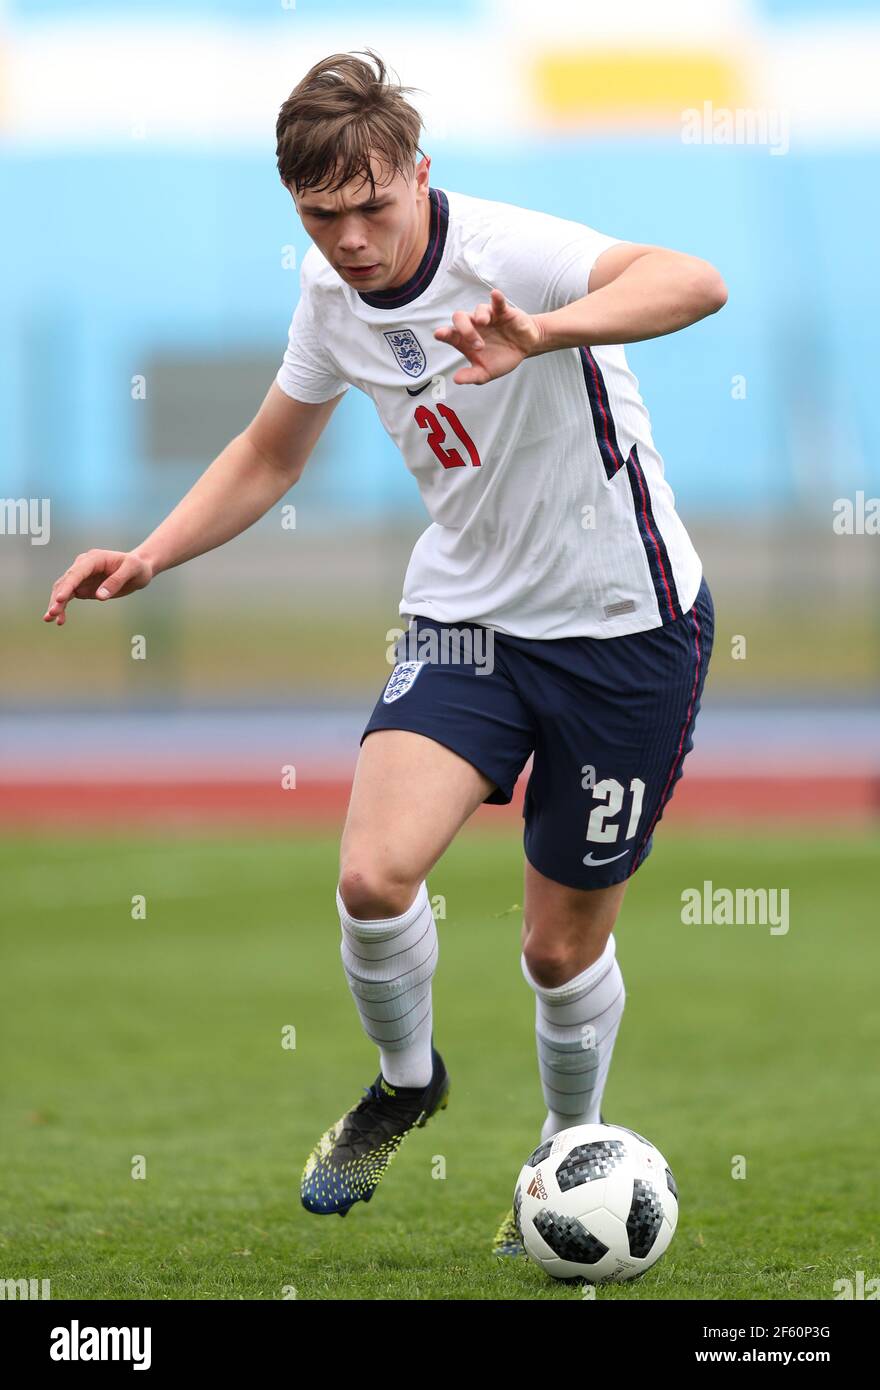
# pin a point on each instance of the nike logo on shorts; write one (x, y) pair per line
(588, 858)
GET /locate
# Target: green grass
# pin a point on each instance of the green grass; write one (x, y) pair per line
(237, 651)
(163, 1038)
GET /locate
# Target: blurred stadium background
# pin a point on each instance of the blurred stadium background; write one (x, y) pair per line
(146, 236)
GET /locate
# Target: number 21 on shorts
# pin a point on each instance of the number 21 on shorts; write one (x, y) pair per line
(602, 827)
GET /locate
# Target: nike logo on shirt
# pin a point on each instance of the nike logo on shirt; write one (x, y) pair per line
(419, 389)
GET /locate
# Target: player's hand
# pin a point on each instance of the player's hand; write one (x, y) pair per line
(495, 338)
(98, 574)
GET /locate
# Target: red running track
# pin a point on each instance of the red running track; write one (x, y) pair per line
(791, 800)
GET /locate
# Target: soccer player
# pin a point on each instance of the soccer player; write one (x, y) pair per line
(556, 606)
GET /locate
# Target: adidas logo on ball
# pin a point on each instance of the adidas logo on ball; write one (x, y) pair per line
(536, 1188)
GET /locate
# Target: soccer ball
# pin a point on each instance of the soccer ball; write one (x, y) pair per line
(597, 1202)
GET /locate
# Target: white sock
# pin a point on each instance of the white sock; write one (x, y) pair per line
(576, 1024)
(389, 965)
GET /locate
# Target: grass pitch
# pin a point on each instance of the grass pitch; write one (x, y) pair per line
(160, 1039)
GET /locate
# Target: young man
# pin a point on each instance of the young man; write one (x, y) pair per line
(554, 540)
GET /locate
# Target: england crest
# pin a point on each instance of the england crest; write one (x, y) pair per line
(408, 351)
(401, 680)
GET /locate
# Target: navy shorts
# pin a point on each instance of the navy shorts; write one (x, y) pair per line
(609, 720)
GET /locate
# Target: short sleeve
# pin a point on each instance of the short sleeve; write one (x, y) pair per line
(539, 261)
(306, 372)
(573, 257)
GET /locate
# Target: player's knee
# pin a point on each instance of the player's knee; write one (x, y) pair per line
(550, 963)
(372, 893)
(554, 958)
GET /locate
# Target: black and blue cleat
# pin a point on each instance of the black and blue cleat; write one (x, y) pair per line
(349, 1160)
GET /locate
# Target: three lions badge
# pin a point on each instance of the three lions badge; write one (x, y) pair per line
(408, 351)
(401, 680)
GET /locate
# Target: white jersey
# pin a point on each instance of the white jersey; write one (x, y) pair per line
(550, 514)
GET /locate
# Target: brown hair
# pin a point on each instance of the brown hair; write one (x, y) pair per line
(345, 108)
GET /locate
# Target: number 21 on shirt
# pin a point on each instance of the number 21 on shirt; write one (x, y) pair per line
(440, 433)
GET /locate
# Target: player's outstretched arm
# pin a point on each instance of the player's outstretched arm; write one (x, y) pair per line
(251, 474)
(636, 292)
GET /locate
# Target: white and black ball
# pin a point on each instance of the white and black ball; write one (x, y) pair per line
(596, 1202)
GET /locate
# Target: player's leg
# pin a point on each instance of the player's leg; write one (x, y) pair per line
(410, 797)
(618, 721)
(412, 792)
(565, 930)
(568, 959)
